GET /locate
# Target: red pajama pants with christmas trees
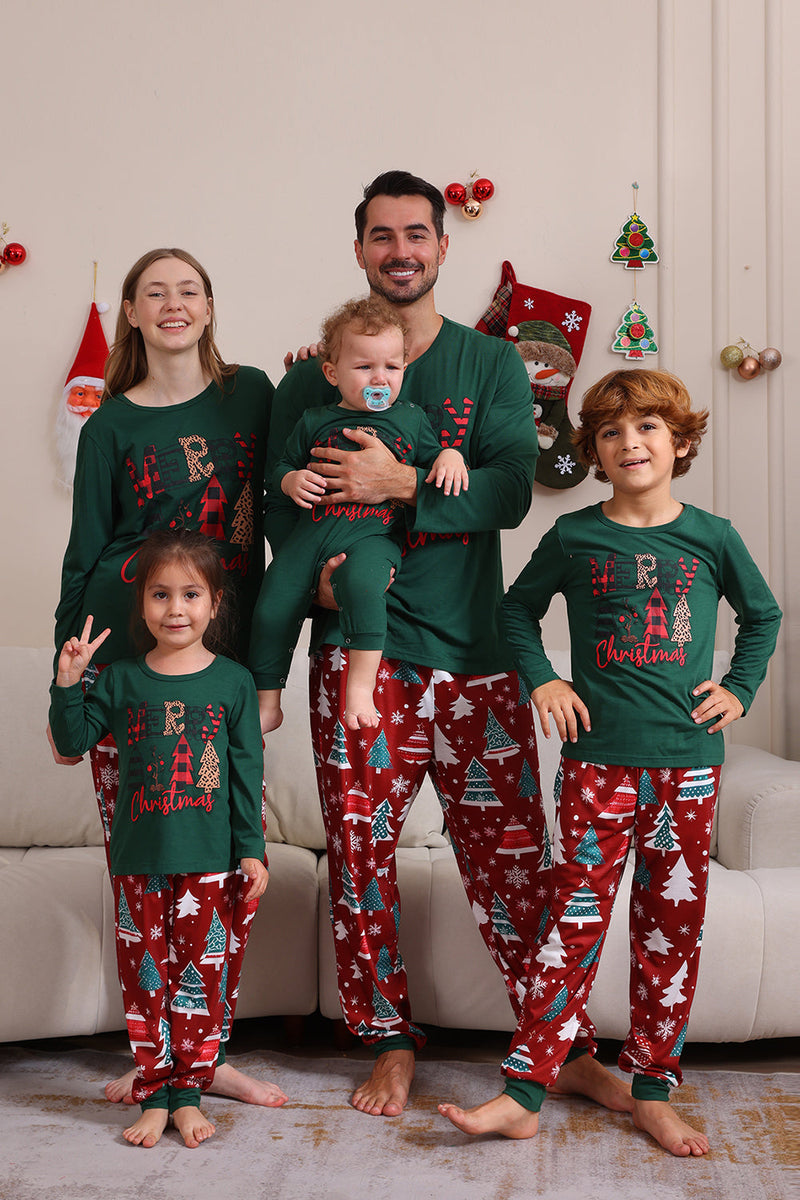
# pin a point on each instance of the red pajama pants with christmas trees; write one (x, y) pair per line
(180, 945)
(474, 736)
(667, 813)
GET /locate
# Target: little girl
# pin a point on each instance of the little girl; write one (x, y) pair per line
(186, 724)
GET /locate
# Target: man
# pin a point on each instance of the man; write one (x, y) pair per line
(449, 699)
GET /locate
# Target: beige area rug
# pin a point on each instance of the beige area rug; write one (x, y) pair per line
(60, 1139)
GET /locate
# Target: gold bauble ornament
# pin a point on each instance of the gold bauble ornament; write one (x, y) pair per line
(472, 209)
(770, 358)
(731, 356)
(749, 367)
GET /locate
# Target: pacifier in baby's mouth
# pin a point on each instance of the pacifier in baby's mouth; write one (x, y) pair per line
(377, 398)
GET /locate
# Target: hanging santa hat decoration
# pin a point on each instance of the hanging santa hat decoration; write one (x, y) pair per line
(83, 390)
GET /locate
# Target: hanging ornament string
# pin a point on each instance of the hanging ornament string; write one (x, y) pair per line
(470, 196)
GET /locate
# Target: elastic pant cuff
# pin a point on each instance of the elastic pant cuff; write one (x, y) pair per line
(526, 1092)
(648, 1087)
(400, 1041)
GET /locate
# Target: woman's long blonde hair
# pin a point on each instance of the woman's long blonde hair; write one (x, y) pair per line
(127, 360)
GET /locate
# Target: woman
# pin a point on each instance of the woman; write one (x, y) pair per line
(178, 441)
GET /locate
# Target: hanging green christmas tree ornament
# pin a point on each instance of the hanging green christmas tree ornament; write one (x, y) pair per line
(634, 247)
(635, 336)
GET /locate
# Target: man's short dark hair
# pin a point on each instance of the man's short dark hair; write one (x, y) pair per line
(401, 183)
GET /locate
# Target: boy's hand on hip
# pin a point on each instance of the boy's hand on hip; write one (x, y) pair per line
(719, 702)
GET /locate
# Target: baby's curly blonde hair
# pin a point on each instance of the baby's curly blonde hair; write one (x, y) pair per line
(369, 315)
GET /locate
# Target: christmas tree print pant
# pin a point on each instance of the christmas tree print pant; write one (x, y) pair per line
(667, 814)
(180, 945)
(477, 742)
(104, 759)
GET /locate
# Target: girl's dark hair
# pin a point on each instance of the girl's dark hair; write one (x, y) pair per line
(199, 555)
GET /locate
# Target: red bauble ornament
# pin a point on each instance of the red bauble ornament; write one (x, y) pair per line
(483, 189)
(455, 193)
(637, 331)
(14, 254)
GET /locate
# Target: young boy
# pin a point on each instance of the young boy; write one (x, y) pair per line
(363, 354)
(642, 728)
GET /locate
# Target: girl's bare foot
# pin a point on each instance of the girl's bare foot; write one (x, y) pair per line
(148, 1129)
(585, 1076)
(385, 1093)
(501, 1115)
(658, 1118)
(192, 1125)
(228, 1081)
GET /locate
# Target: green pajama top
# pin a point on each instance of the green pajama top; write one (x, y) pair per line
(443, 610)
(198, 465)
(642, 608)
(190, 763)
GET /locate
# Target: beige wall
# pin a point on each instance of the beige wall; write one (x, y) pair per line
(244, 132)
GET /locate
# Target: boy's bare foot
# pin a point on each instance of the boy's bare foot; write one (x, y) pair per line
(148, 1129)
(228, 1081)
(386, 1091)
(369, 718)
(192, 1125)
(658, 1118)
(501, 1115)
(585, 1076)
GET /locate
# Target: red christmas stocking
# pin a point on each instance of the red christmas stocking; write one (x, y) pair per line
(548, 331)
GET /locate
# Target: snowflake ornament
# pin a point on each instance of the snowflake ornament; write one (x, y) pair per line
(565, 464)
(572, 321)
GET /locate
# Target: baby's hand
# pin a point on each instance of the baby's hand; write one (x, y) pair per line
(559, 698)
(258, 875)
(718, 703)
(77, 654)
(304, 487)
(449, 472)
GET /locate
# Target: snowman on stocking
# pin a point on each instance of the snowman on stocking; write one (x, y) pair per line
(548, 332)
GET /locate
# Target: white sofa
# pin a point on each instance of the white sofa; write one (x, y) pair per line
(56, 923)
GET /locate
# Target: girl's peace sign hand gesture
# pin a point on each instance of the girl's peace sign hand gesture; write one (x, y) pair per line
(77, 654)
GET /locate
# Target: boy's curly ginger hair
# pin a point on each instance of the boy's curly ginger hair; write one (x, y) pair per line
(640, 393)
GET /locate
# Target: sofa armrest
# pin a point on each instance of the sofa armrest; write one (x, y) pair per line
(759, 811)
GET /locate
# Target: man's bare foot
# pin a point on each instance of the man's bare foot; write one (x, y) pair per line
(192, 1125)
(585, 1076)
(658, 1118)
(386, 1091)
(501, 1115)
(148, 1129)
(368, 718)
(228, 1081)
